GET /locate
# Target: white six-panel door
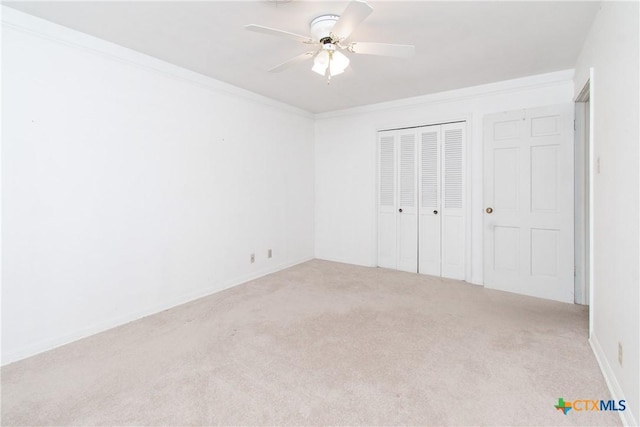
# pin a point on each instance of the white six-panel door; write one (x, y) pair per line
(421, 223)
(528, 193)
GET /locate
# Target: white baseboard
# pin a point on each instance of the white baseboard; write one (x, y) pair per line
(344, 261)
(612, 383)
(51, 343)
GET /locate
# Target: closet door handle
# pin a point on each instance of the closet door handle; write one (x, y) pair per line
(400, 210)
(435, 212)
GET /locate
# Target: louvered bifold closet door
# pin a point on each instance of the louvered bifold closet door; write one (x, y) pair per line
(429, 199)
(387, 200)
(407, 202)
(453, 200)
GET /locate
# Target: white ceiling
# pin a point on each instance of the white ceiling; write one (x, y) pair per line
(458, 44)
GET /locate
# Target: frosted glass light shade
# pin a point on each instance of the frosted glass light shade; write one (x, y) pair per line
(321, 62)
(336, 61)
(339, 62)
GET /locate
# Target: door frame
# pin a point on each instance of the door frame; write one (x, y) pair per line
(582, 198)
(432, 121)
(588, 90)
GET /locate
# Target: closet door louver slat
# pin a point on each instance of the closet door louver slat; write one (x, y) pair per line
(387, 171)
(429, 176)
(407, 170)
(453, 168)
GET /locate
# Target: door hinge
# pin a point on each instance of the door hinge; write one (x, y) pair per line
(574, 125)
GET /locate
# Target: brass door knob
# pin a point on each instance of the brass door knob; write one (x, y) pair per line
(489, 210)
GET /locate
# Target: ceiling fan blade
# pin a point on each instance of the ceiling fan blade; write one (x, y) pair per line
(281, 33)
(293, 61)
(356, 12)
(384, 49)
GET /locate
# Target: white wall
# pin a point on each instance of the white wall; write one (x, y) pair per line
(345, 153)
(611, 49)
(131, 185)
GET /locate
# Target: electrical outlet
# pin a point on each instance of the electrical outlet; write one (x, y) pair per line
(620, 353)
(270, 253)
(253, 258)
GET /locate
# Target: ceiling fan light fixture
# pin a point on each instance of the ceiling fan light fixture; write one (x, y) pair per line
(329, 35)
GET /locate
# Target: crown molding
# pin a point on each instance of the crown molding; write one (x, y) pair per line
(473, 92)
(41, 28)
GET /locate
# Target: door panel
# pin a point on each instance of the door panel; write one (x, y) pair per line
(544, 252)
(544, 179)
(387, 223)
(408, 206)
(453, 247)
(387, 240)
(528, 242)
(429, 225)
(453, 200)
(506, 249)
(506, 174)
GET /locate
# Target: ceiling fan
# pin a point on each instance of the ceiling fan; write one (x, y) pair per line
(328, 38)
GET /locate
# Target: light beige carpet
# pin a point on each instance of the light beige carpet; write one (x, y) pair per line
(323, 343)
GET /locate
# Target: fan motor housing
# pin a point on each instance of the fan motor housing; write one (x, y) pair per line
(321, 27)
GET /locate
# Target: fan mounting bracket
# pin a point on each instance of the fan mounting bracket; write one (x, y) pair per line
(321, 27)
